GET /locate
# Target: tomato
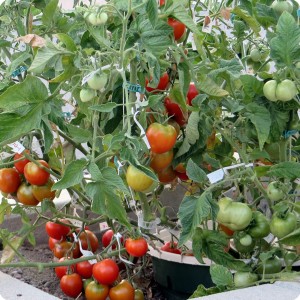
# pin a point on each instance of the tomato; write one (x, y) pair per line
(179, 28)
(281, 6)
(162, 138)
(282, 226)
(226, 230)
(161, 2)
(87, 95)
(182, 176)
(107, 238)
(191, 94)
(66, 248)
(246, 240)
(136, 247)
(41, 192)
(138, 295)
(243, 248)
(167, 175)
(71, 285)
(63, 270)
(243, 279)
(138, 180)
(259, 226)
(97, 19)
(175, 125)
(234, 215)
(25, 195)
(161, 161)
(9, 180)
(269, 90)
(96, 291)
(84, 269)
(171, 247)
(20, 165)
(52, 242)
(106, 271)
(88, 238)
(97, 81)
(36, 175)
(174, 110)
(57, 230)
(123, 290)
(162, 84)
(284, 91)
(271, 266)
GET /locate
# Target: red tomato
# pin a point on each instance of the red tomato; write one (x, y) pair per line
(162, 84)
(96, 291)
(167, 175)
(178, 28)
(136, 247)
(161, 2)
(89, 241)
(36, 175)
(161, 161)
(123, 290)
(84, 269)
(42, 192)
(20, 165)
(191, 94)
(9, 180)
(66, 249)
(107, 237)
(56, 230)
(182, 176)
(171, 247)
(106, 271)
(162, 138)
(71, 285)
(25, 195)
(63, 270)
(175, 111)
(52, 242)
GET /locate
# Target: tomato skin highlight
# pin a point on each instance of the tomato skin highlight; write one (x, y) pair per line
(9, 180)
(20, 165)
(57, 231)
(136, 247)
(123, 290)
(71, 285)
(36, 175)
(106, 271)
(162, 138)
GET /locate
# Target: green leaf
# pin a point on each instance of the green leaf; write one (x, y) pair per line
(49, 11)
(251, 86)
(203, 291)
(260, 117)
(252, 23)
(228, 67)
(78, 134)
(107, 107)
(221, 276)
(285, 48)
(195, 173)
(17, 62)
(289, 170)
(184, 78)
(152, 11)
(265, 15)
(72, 175)
(5, 209)
(47, 205)
(292, 239)
(65, 75)
(192, 133)
(111, 177)
(68, 41)
(209, 87)
(95, 171)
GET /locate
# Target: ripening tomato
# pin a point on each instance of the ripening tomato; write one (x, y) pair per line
(60, 271)
(106, 271)
(52, 242)
(25, 195)
(66, 248)
(162, 84)
(179, 28)
(171, 247)
(71, 285)
(57, 230)
(107, 238)
(96, 291)
(162, 138)
(20, 165)
(167, 175)
(191, 94)
(84, 269)
(136, 247)
(161, 161)
(138, 180)
(226, 230)
(174, 110)
(89, 240)
(123, 290)
(9, 180)
(36, 175)
(41, 192)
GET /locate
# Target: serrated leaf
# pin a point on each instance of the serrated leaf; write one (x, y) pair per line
(289, 170)
(184, 78)
(152, 11)
(292, 239)
(195, 173)
(79, 135)
(95, 172)
(107, 107)
(65, 75)
(49, 11)
(228, 67)
(46, 205)
(252, 23)
(72, 175)
(265, 14)
(285, 48)
(221, 276)
(111, 176)
(192, 132)
(251, 86)
(209, 87)
(67, 40)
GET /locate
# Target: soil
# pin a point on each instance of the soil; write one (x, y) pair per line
(49, 283)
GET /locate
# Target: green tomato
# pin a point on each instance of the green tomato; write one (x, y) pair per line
(255, 55)
(246, 240)
(234, 215)
(275, 190)
(97, 81)
(280, 227)
(87, 95)
(271, 266)
(281, 6)
(286, 90)
(243, 279)
(97, 19)
(259, 226)
(247, 248)
(269, 90)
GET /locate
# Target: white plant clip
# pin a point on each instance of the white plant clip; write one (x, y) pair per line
(143, 133)
(84, 252)
(118, 237)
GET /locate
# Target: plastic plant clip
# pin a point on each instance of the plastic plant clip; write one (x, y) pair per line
(84, 252)
(17, 147)
(146, 225)
(143, 133)
(118, 237)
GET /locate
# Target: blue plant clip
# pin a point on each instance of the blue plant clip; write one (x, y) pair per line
(232, 16)
(298, 12)
(136, 88)
(18, 71)
(288, 133)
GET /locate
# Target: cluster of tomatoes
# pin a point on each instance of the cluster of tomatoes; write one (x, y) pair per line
(27, 182)
(97, 280)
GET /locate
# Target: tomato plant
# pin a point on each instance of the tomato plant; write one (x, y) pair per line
(9, 180)
(87, 95)
(270, 266)
(259, 226)
(123, 290)
(20, 165)
(36, 175)
(52, 242)
(136, 247)
(138, 294)
(57, 230)
(166, 175)
(106, 271)
(107, 238)
(161, 161)
(97, 81)
(71, 285)
(96, 291)
(276, 191)
(284, 91)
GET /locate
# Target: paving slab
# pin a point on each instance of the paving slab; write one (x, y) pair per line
(14, 289)
(279, 290)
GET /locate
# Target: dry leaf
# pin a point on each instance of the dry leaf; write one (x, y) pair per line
(33, 40)
(225, 13)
